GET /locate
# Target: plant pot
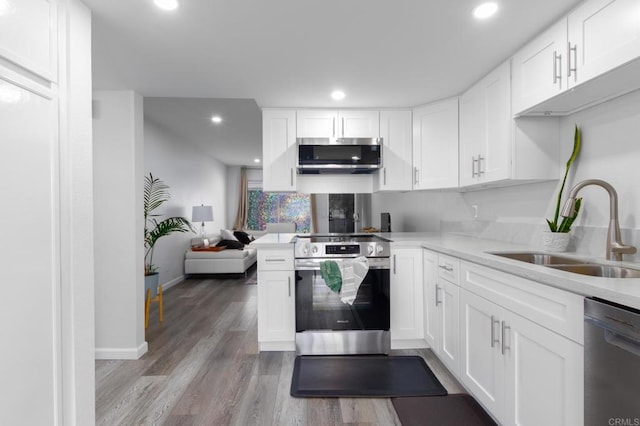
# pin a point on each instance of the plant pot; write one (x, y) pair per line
(555, 241)
(151, 282)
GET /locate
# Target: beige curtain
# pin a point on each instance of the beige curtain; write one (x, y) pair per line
(314, 214)
(243, 201)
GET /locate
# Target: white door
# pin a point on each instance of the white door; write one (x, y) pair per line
(472, 134)
(450, 325)
(435, 138)
(276, 312)
(359, 124)
(482, 366)
(495, 162)
(539, 70)
(431, 300)
(317, 123)
(544, 375)
(29, 310)
(406, 294)
(395, 131)
(279, 150)
(603, 34)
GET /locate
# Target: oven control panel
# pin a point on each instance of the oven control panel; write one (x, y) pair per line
(342, 249)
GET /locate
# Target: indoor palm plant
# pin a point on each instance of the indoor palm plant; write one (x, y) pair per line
(156, 193)
(557, 238)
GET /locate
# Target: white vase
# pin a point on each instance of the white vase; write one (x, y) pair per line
(555, 241)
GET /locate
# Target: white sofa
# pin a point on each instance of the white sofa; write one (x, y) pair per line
(229, 261)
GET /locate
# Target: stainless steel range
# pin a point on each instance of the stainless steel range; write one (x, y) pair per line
(324, 323)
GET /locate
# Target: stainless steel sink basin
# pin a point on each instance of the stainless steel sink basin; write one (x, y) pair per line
(605, 271)
(576, 266)
(541, 258)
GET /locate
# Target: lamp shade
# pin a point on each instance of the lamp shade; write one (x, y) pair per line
(202, 214)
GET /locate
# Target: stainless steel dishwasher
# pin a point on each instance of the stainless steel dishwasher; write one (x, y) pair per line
(611, 364)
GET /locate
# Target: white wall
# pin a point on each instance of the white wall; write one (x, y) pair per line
(194, 178)
(610, 151)
(118, 184)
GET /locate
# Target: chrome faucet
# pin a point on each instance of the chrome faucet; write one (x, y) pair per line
(615, 247)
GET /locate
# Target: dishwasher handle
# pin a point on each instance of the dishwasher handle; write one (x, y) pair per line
(622, 342)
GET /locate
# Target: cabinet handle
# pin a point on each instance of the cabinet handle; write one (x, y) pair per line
(437, 301)
(480, 168)
(473, 167)
(272, 259)
(394, 264)
(573, 68)
(289, 285)
(557, 67)
(291, 174)
(446, 268)
(493, 331)
(384, 176)
(415, 175)
(505, 327)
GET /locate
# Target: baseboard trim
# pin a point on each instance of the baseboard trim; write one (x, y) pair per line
(409, 344)
(276, 346)
(122, 353)
(173, 282)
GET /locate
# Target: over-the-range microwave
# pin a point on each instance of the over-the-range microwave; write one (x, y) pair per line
(342, 155)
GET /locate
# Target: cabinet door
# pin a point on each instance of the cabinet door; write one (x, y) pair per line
(435, 139)
(28, 35)
(406, 294)
(359, 124)
(472, 130)
(317, 123)
(535, 358)
(279, 150)
(539, 71)
(29, 310)
(482, 367)
(395, 131)
(276, 312)
(431, 300)
(603, 34)
(450, 319)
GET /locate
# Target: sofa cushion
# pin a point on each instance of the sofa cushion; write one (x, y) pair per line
(231, 244)
(243, 237)
(228, 235)
(224, 254)
(213, 240)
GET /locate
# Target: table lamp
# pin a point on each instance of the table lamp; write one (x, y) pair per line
(202, 214)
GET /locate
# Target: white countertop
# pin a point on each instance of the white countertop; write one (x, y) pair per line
(625, 291)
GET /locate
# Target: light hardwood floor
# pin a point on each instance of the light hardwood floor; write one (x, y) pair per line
(203, 368)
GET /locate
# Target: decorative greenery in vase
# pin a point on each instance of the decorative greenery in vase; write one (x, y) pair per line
(565, 224)
(156, 193)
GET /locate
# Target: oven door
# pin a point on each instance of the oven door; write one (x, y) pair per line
(318, 308)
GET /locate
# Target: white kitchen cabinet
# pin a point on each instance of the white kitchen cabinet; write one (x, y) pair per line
(449, 304)
(276, 299)
(319, 123)
(431, 312)
(496, 149)
(29, 36)
(516, 358)
(397, 145)
(539, 68)
(435, 145)
(279, 150)
(406, 296)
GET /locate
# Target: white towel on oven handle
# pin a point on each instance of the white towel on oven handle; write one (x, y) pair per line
(353, 273)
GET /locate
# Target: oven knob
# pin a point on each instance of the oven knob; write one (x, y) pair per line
(379, 249)
(305, 248)
(371, 249)
(314, 250)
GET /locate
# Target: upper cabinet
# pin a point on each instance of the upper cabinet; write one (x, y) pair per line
(28, 36)
(495, 148)
(435, 145)
(318, 123)
(594, 51)
(395, 131)
(279, 150)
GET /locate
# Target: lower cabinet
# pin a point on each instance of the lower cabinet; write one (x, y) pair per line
(406, 298)
(520, 371)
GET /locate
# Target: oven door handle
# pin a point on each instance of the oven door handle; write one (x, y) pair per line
(314, 264)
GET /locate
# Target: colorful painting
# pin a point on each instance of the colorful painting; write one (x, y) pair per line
(265, 207)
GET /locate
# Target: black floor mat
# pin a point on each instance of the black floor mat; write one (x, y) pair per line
(452, 410)
(363, 376)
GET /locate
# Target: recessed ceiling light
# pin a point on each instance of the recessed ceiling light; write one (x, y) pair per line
(216, 119)
(256, 160)
(485, 10)
(337, 95)
(166, 4)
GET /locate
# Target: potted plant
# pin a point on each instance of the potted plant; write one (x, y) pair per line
(557, 238)
(156, 193)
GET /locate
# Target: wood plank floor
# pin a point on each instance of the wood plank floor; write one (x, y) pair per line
(203, 368)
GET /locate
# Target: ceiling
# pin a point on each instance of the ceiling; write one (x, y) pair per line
(293, 53)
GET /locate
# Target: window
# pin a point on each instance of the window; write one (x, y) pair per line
(265, 207)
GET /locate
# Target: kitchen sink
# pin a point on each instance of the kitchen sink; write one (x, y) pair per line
(573, 265)
(595, 270)
(541, 258)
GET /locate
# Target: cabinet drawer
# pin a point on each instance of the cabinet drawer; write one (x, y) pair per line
(28, 34)
(449, 268)
(275, 260)
(555, 309)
